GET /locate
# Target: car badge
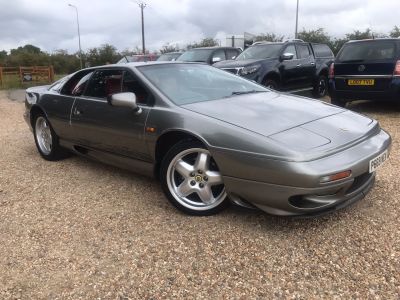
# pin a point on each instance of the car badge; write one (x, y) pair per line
(361, 68)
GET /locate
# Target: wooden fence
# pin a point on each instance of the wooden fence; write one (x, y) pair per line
(25, 75)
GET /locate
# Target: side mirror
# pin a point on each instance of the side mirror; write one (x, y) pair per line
(124, 100)
(216, 59)
(287, 56)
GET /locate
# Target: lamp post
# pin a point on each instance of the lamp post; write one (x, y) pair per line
(297, 20)
(142, 5)
(79, 33)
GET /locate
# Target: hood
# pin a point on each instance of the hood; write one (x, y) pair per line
(265, 113)
(38, 89)
(238, 63)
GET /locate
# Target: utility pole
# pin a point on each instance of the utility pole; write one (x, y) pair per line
(297, 20)
(142, 5)
(79, 33)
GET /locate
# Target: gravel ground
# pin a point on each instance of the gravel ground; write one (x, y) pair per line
(78, 229)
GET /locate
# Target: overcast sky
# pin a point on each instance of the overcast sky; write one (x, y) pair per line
(51, 24)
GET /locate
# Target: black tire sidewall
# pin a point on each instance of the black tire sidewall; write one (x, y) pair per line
(271, 82)
(316, 92)
(57, 152)
(175, 150)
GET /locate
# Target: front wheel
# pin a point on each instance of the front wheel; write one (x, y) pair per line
(192, 181)
(321, 87)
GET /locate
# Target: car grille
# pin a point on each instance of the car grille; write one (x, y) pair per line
(381, 84)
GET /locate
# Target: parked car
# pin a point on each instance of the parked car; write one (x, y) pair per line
(171, 56)
(366, 70)
(286, 66)
(138, 58)
(210, 136)
(209, 55)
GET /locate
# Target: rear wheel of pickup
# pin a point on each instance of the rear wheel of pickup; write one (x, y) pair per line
(321, 87)
(271, 84)
(338, 102)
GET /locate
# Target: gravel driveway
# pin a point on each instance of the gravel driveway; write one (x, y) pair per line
(78, 229)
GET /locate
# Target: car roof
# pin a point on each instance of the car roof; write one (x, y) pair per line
(142, 63)
(216, 47)
(377, 39)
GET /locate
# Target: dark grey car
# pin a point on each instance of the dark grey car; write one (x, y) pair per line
(210, 136)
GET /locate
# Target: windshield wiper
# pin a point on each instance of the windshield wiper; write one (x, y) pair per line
(247, 92)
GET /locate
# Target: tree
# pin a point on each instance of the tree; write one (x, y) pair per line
(269, 37)
(169, 48)
(315, 36)
(395, 33)
(207, 42)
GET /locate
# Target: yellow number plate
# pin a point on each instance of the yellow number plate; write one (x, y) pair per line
(361, 82)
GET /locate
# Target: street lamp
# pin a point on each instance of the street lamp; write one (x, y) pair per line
(297, 20)
(142, 5)
(79, 33)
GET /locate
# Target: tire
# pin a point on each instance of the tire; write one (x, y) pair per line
(46, 140)
(191, 180)
(338, 102)
(321, 87)
(271, 84)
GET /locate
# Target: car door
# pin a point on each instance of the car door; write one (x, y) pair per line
(119, 130)
(306, 69)
(289, 69)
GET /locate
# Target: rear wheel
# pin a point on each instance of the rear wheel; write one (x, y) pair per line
(192, 181)
(321, 87)
(46, 139)
(338, 102)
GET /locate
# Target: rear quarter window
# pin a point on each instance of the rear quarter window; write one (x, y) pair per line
(322, 51)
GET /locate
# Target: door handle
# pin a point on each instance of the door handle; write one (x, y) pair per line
(77, 112)
(312, 63)
(299, 65)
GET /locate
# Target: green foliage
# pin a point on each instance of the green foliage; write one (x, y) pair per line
(395, 33)
(315, 36)
(269, 37)
(207, 42)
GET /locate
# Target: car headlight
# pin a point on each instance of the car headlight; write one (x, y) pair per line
(250, 69)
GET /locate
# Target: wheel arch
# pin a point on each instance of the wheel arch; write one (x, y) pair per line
(167, 140)
(34, 111)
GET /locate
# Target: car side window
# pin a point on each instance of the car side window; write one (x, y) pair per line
(220, 53)
(304, 51)
(231, 53)
(80, 79)
(291, 49)
(105, 83)
(131, 84)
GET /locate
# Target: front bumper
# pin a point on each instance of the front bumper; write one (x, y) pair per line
(291, 201)
(294, 188)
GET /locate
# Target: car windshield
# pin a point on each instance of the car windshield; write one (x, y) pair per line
(191, 83)
(196, 55)
(370, 50)
(260, 52)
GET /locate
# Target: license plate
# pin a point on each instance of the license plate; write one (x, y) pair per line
(378, 161)
(361, 82)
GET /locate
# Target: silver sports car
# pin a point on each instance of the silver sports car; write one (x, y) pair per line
(210, 137)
